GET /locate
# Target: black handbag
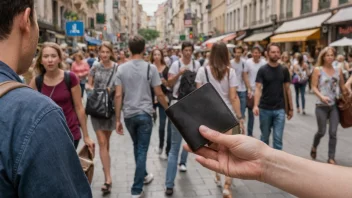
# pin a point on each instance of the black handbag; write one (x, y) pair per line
(100, 103)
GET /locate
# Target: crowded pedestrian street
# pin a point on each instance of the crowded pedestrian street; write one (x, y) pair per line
(198, 181)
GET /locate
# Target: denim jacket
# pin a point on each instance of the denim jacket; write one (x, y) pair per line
(37, 156)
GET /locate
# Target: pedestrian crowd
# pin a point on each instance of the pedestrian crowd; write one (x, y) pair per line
(126, 91)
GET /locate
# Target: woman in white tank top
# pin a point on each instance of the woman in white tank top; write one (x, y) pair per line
(224, 80)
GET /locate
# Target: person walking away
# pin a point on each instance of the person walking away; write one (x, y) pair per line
(241, 75)
(225, 81)
(301, 69)
(157, 58)
(327, 84)
(272, 82)
(62, 87)
(122, 58)
(81, 68)
(253, 64)
(99, 79)
(91, 59)
(134, 80)
(38, 158)
(177, 69)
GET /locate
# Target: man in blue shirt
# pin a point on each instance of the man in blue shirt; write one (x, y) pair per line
(37, 157)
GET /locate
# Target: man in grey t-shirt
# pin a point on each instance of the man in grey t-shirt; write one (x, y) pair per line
(134, 80)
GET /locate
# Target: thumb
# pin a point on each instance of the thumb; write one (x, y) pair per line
(215, 136)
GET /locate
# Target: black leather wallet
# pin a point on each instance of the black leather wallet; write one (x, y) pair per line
(203, 106)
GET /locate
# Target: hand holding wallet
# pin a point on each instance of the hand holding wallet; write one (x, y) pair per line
(203, 106)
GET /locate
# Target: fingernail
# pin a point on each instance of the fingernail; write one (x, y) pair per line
(204, 129)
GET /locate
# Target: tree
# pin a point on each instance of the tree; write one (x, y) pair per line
(148, 34)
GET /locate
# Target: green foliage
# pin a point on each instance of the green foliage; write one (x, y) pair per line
(149, 34)
(92, 2)
(70, 15)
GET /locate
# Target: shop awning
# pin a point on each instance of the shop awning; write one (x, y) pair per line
(216, 39)
(344, 14)
(258, 37)
(241, 36)
(92, 41)
(297, 36)
(342, 42)
(59, 36)
(230, 37)
(303, 24)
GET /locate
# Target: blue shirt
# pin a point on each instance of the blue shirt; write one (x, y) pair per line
(37, 156)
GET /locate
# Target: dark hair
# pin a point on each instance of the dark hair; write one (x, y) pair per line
(238, 47)
(268, 48)
(91, 54)
(300, 59)
(162, 60)
(136, 44)
(9, 9)
(187, 44)
(256, 47)
(350, 55)
(219, 60)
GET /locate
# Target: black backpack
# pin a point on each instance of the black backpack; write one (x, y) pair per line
(39, 81)
(187, 84)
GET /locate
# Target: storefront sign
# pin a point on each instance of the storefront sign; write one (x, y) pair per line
(344, 31)
(188, 20)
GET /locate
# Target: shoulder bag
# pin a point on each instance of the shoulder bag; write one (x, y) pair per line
(100, 101)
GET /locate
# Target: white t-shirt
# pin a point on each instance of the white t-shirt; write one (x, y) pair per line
(252, 69)
(175, 69)
(222, 87)
(239, 68)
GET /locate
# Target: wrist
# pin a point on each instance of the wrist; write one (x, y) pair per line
(267, 163)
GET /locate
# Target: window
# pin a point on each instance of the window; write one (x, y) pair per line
(238, 18)
(282, 7)
(250, 14)
(343, 1)
(289, 8)
(306, 6)
(234, 20)
(267, 11)
(261, 11)
(254, 13)
(245, 16)
(324, 4)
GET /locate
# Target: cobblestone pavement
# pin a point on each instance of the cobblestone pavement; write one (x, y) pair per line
(198, 181)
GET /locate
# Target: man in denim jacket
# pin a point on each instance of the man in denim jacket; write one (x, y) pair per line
(37, 156)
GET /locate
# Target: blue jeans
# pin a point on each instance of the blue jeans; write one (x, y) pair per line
(162, 123)
(171, 170)
(140, 129)
(83, 87)
(272, 119)
(243, 101)
(300, 89)
(250, 122)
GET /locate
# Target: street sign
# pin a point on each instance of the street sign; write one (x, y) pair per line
(182, 37)
(74, 28)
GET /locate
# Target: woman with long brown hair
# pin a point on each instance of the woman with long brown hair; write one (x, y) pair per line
(301, 71)
(327, 84)
(52, 81)
(224, 80)
(157, 58)
(98, 79)
(286, 61)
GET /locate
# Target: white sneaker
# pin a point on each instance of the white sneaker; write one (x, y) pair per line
(138, 196)
(148, 179)
(163, 156)
(183, 168)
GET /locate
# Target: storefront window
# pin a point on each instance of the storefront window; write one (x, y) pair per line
(289, 7)
(306, 6)
(324, 4)
(343, 1)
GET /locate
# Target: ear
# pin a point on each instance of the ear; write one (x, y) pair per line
(25, 21)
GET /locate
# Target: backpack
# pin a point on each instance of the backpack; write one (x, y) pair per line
(39, 81)
(187, 83)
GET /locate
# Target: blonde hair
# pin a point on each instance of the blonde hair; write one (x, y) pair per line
(79, 55)
(108, 45)
(320, 61)
(39, 67)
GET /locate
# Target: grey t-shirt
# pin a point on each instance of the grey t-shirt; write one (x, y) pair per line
(132, 76)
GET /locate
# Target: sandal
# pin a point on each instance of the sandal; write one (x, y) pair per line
(106, 189)
(331, 161)
(313, 153)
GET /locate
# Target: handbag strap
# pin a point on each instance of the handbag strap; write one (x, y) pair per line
(206, 73)
(113, 72)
